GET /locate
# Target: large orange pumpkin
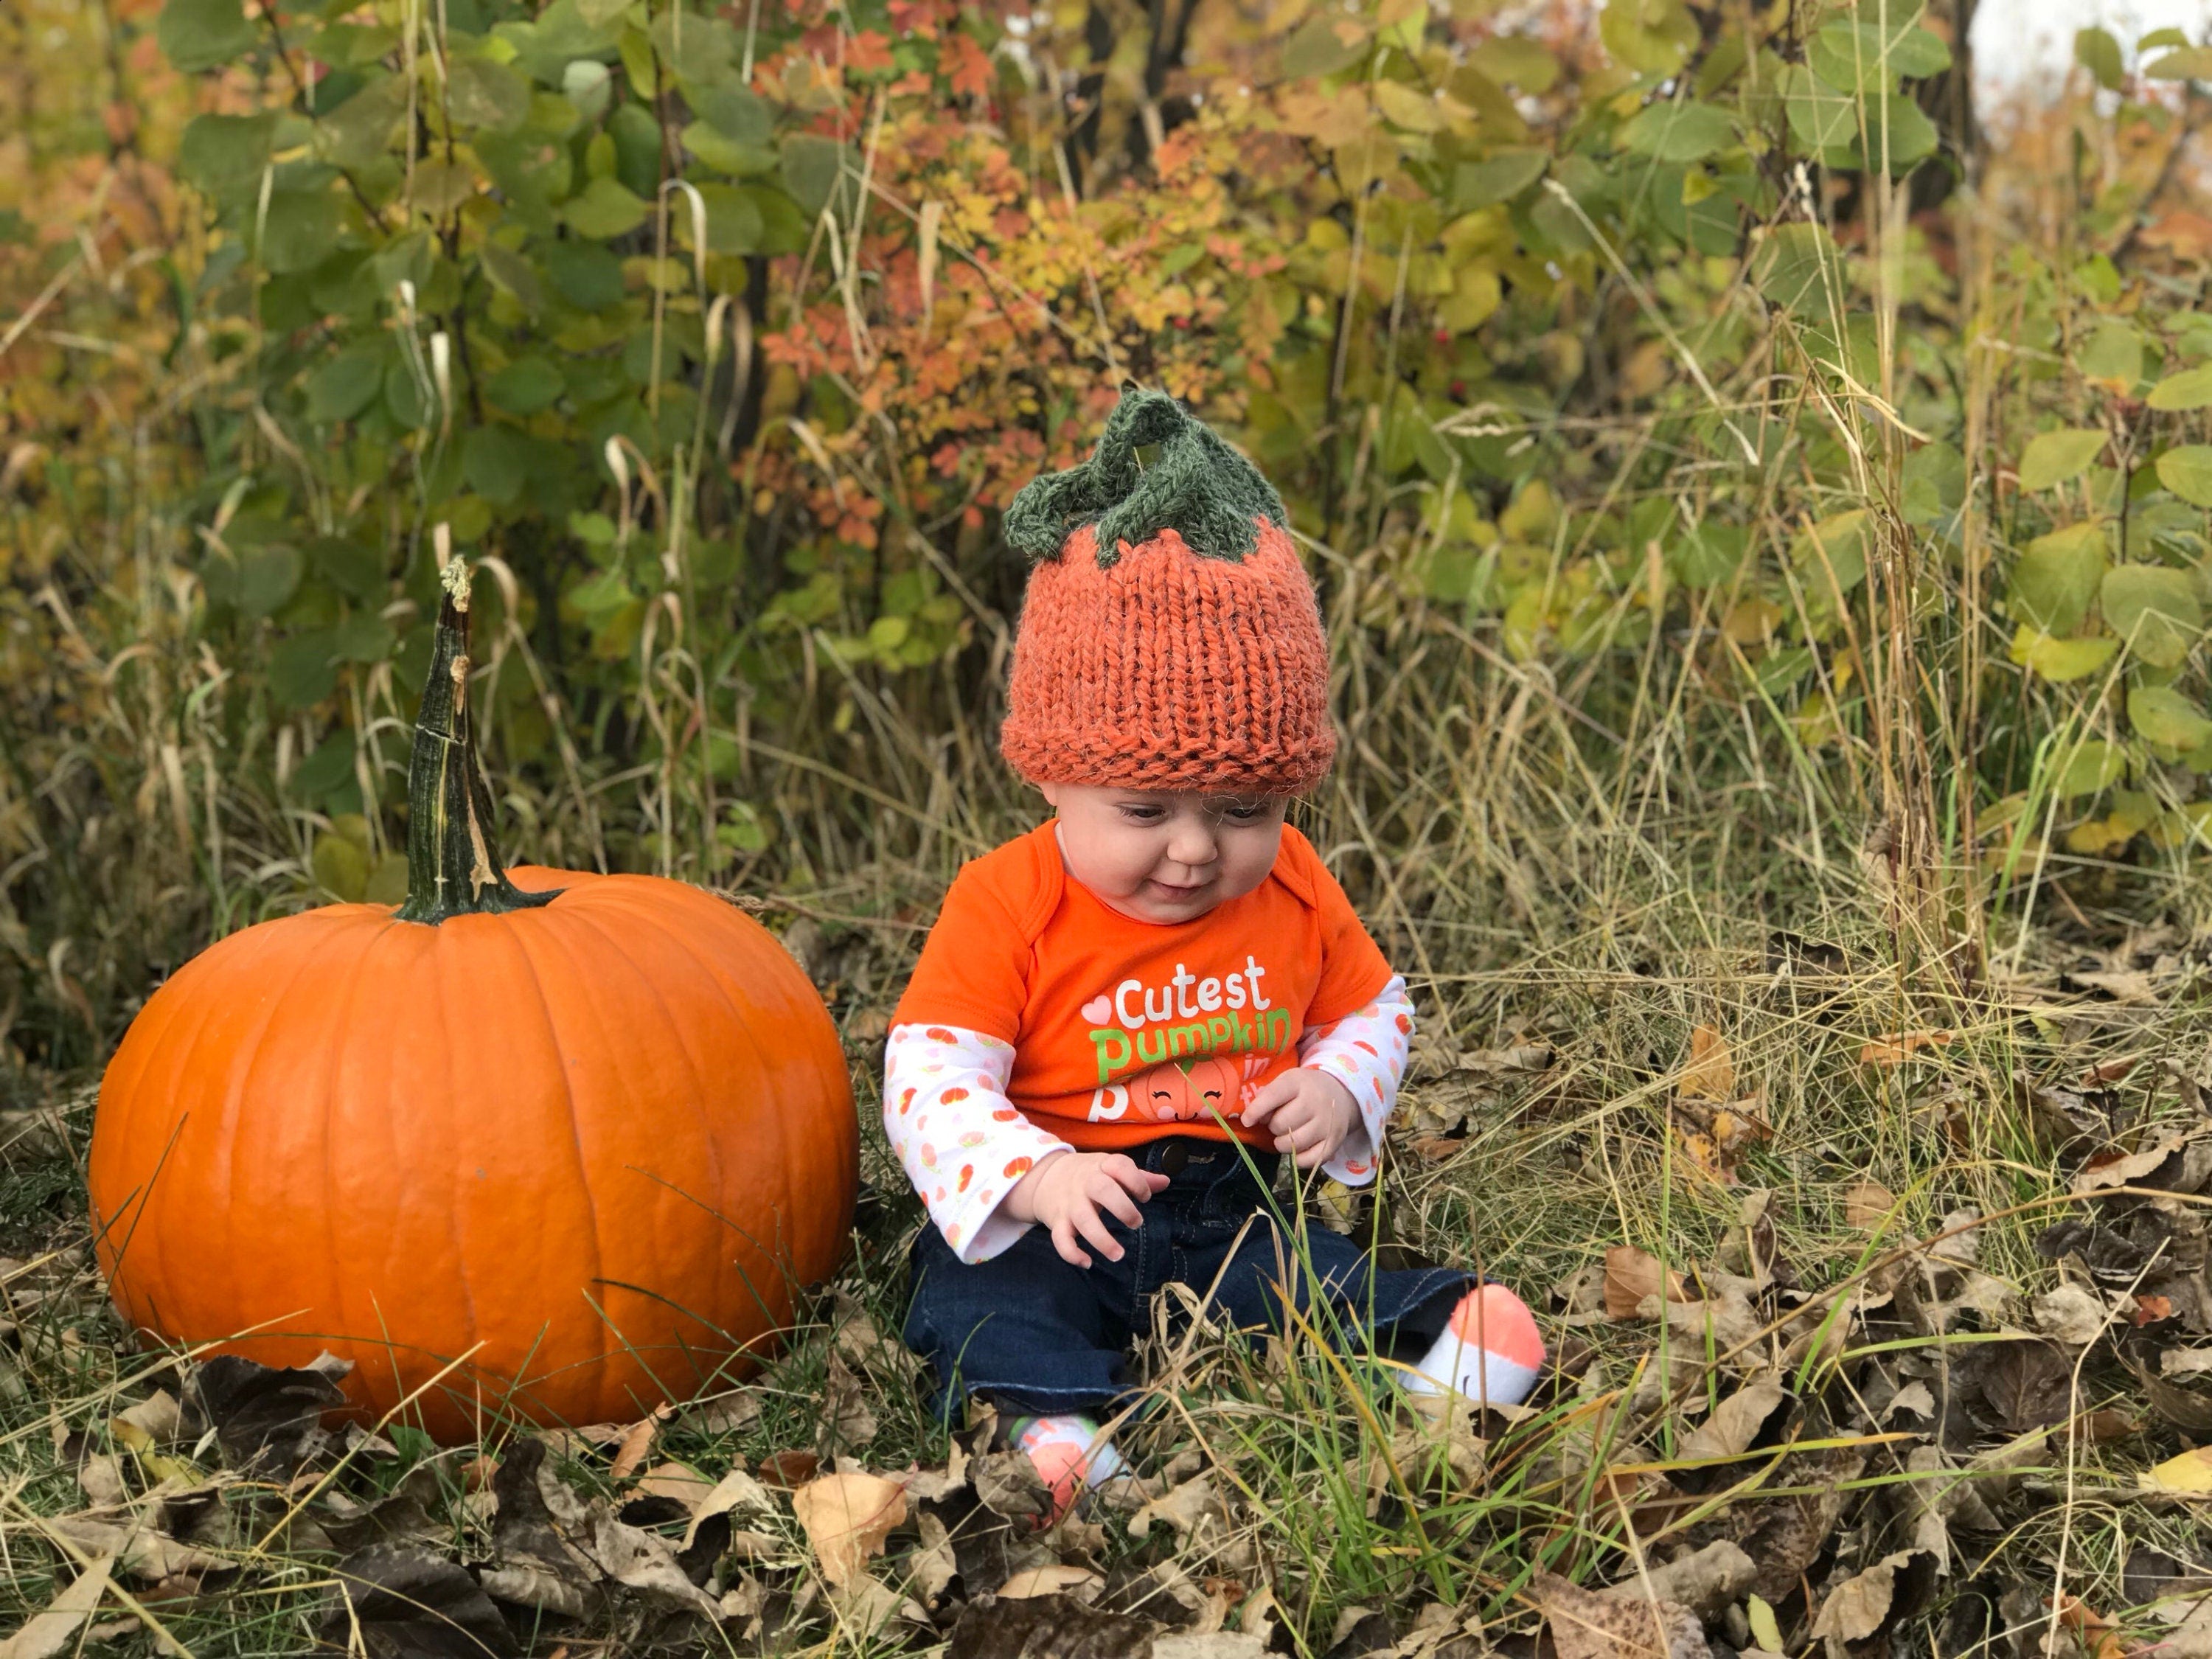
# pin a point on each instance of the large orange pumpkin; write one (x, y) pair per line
(559, 1147)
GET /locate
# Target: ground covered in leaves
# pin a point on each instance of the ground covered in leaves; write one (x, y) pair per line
(1882, 1324)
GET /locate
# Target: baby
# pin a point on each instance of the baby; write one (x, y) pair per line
(1123, 1021)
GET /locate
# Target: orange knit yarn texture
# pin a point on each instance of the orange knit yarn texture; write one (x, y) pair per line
(1167, 669)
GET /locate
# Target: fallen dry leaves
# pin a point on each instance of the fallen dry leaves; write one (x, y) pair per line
(1897, 1047)
(847, 1517)
(56, 1630)
(1712, 1126)
(1709, 1072)
(1585, 1625)
(1867, 1205)
(1633, 1278)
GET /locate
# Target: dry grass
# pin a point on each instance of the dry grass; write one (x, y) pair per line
(1598, 857)
(1537, 901)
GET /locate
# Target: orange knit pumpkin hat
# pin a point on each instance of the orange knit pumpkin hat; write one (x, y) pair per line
(1170, 639)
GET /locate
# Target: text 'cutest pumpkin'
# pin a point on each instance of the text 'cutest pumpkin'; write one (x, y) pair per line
(541, 1144)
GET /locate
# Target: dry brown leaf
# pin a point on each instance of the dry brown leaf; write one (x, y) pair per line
(1867, 1204)
(1726, 1320)
(644, 1561)
(139, 1551)
(1008, 1484)
(2178, 1162)
(732, 1413)
(1522, 1060)
(55, 1631)
(1712, 1137)
(1448, 1424)
(1701, 1156)
(1789, 1535)
(845, 1518)
(743, 1601)
(1736, 1422)
(1211, 1644)
(1181, 1508)
(790, 1469)
(1710, 1071)
(1705, 1581)
(1958, 1240)
(637, 1444)
(101, 1477)
(674, 1481)
(868, 1025)
(927, 1485)
(532, 1584)
(1630, 1275)
(2070, 1314)
(2097, 1635)
(2192, 1472)
(2029, 1385)
(1588, 1626)
(1895, 1048)
(1081, 1582)
(931, 1566)
(1580, 1295)
(846, 1411)
(158, 1417)
(2132, 988)
(1871, 1600)
(735, 1492)
(866, 1605)
(1032, 1627)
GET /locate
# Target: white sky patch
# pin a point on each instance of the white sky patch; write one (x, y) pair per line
(2019, 42)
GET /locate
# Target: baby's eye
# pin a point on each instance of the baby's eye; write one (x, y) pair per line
(1141, 814)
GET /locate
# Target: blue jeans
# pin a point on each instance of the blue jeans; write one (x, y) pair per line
(1036, 1335)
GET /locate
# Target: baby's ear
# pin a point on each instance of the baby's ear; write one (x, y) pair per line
(1051, 794)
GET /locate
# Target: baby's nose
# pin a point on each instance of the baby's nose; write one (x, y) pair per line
(1193, 844)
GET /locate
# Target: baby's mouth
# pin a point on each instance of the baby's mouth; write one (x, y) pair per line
(1174, 893)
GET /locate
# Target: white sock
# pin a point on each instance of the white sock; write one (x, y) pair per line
(1070, 1455)
(1490, 1350)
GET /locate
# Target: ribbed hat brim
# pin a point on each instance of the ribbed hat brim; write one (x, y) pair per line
(1171, 670)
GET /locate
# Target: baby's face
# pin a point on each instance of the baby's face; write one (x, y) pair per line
(1166, 855)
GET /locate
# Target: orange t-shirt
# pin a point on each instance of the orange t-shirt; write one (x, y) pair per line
(1124, 1030)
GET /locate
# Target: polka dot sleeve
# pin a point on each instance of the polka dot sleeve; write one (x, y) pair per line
(1365, 1051)
(961, 1140)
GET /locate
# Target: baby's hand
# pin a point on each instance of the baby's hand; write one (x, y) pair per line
(1311, 1112)
(1067, 1192)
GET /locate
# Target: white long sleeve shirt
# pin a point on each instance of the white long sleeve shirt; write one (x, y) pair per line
(964, 1144)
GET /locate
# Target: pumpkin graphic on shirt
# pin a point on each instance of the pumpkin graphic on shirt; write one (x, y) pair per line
(1188, 1090)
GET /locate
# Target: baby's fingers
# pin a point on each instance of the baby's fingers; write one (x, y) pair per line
(1139, 1184)
(1281, 1090)
(1109, 1197)
(1300, 1132)
(1063, 1240)
(1092, 1226)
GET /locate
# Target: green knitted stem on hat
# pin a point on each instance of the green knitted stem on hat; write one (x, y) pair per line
(1197, 486)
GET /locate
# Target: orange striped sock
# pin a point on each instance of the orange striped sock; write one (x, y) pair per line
(1490, 1352)
(1069, 1456)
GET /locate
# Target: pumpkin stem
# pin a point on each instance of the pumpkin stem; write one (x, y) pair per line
(1196, 485)
(453, 853)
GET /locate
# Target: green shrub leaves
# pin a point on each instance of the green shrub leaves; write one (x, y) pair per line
(2057, 457)
(203, 34)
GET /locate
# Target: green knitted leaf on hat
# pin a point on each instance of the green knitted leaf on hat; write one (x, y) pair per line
(1196, 486)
